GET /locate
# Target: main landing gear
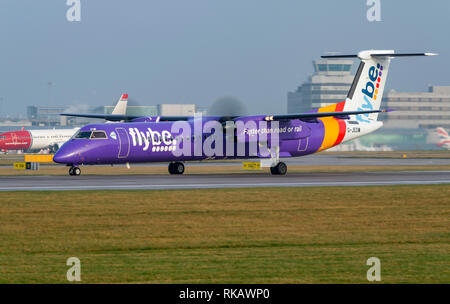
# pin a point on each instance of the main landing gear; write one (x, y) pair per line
(74, 171)
(279, 169)
(176, 168)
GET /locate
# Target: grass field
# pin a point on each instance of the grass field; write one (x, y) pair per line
(271, 235)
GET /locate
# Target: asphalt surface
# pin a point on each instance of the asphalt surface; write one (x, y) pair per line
(197, 181)
(322, 160)
(331, 160)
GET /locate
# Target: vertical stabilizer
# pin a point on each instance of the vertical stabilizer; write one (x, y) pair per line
(367, 88)
(121, 106)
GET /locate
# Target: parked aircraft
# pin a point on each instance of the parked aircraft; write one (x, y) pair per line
(444, 138)
(35, 140)
(266, 137)
(52, 139)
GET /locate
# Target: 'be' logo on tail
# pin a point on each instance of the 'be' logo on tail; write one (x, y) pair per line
(371, 91)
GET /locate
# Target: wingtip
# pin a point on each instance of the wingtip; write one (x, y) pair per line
(431, 54)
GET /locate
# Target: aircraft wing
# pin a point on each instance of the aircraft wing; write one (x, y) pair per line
(110, 117)
(342, 115)
(119, 117)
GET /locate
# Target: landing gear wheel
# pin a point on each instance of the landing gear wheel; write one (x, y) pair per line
(74, 171)
(279, 169)
(176, 168)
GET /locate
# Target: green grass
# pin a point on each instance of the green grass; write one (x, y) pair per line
(273, 235)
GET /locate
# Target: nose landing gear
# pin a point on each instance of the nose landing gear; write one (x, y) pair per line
(74, 171)
(176, 168)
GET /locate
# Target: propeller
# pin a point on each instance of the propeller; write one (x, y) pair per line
(227, 106)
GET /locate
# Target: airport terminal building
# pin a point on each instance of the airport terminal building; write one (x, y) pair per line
(427, 110)
(329, 84)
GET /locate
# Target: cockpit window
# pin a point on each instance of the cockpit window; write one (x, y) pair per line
(98, 134)
(83, 134)
(90, 135)
(2, 137)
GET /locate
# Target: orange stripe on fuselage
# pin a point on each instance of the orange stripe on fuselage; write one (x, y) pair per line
(334, 128)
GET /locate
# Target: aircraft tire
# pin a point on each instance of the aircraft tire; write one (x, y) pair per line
(273, 170)
(279, 169)
(178, 168)
(71, 171)
(75, 171)
(171, 169)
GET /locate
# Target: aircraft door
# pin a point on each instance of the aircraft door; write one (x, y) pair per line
(124, 143)
(304, 139)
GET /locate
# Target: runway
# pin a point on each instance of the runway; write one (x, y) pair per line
(332, 160)
(197, 181)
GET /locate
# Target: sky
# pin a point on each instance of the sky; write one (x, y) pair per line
(196, 51)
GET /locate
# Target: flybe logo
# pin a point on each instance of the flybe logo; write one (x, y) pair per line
(163, 141)
(370, 91)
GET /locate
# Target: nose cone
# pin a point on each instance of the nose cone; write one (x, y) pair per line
(65, 155)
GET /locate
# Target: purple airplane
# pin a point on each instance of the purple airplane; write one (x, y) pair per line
(134, 139)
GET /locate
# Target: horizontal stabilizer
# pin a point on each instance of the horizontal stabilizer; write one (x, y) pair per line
(377, 53)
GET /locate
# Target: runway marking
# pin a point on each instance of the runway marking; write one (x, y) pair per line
(209, 186)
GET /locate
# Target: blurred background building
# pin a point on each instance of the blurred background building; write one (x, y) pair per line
(414, 110)
(48, 116)
(176, 109)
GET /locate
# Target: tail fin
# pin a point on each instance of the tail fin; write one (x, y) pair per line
(442, 133)
(121, 106)
(368, 85)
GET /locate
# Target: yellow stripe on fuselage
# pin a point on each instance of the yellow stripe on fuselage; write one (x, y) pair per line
(331, 127)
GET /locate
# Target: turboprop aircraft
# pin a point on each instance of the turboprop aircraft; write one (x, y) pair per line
(269, 138)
